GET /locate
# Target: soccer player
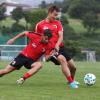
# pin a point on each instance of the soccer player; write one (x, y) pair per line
(28, 57)
(57, 30)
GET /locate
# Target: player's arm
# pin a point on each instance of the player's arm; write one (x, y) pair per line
(12, 40)
(60, 39)
(60, 35)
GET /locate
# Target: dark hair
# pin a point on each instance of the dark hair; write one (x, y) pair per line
(48, 32)
(53, 8)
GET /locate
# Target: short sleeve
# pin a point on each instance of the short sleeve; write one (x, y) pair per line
(30, 35)
(37, 28)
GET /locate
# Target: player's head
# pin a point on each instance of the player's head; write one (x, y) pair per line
(46, 36)
(53, 12)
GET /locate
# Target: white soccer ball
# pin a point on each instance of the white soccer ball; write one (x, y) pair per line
(89, 79)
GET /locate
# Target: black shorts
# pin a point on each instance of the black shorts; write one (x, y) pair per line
(20, 61)
(63, 51)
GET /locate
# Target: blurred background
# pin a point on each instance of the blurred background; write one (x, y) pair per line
(80, 20)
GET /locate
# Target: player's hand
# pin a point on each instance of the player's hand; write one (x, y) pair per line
(57, 48)
(53, 52)
(11, 41)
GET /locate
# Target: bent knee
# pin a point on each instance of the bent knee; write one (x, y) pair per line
(39, 64)
(61, 59)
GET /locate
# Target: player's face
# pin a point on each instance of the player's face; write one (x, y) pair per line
(45, 39)
(53, 15)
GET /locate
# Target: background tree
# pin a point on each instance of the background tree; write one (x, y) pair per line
(43, 4)
(33, 17)
(58, 3)
(28, 16)
(88, 11)
(17, 28)
(2, 12)
(91, 22)
(17, 14)
(2, 15)
(65, 5)
(78, 8)
(5, 31)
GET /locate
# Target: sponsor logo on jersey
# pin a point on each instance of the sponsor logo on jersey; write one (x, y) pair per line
(45, 27)
(55, 26)
(34, 45)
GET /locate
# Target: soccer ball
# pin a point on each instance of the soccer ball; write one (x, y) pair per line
(89, 79)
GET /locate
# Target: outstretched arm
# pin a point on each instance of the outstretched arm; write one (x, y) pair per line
(12, 40)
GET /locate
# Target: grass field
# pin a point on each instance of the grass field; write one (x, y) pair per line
(50, 84)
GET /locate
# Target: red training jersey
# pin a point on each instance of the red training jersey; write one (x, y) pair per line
(35, 49)
(54, 26)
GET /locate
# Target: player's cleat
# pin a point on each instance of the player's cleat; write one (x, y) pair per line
(73, 85)
(76, 82)
(20, 81)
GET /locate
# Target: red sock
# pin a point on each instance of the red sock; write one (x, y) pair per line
(69, 78)
(27, 75)
(72, 77)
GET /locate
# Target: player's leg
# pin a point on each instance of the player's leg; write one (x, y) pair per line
(64, 65)
(72, 67)
(7, 70)
(71, 64)
(70, 61)
(35, 67)
(62, 60)
(66, 71)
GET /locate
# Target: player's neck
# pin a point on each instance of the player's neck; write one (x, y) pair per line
(41, 40)
(49, 20)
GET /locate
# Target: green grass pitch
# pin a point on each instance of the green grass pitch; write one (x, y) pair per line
(50, 84)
